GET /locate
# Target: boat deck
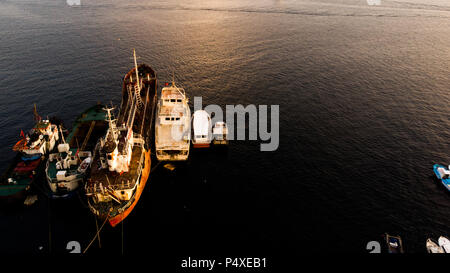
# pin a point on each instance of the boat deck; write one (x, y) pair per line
(116, 180)
(166, 136)
(88, 128)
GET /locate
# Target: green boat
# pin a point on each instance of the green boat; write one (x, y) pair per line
(68, 168)
(16, 181)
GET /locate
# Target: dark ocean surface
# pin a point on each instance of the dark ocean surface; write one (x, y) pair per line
(364, 103)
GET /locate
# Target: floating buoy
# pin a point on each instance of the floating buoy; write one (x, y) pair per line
(169, 166)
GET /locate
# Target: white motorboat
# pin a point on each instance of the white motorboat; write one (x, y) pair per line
(220, 133)
(432, 247)
(202, 129)
(444, 243)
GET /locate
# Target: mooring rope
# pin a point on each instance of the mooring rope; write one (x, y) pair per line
(97, 234)
(155, 167)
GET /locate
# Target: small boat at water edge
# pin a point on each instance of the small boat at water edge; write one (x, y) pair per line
(443, 174)
(68, 168)
(432, 247)
(172, 125)
(201, 123)
(394, 243)
(220, 133)
(444, 243)
(121, 161)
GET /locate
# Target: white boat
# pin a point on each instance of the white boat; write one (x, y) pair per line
(66, 171)
(202, 129)
(67, 168)
(432, 247)
(444, 243)
(40, 140)
(220, 133)
(172, 125)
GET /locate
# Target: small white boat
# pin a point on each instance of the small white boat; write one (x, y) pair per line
(394, 243)
(444, 243)
(220, 133)
(202, 129)
(432, 247)
(443, 174)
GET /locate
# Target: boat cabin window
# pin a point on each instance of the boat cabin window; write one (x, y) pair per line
(178, 100)
(177, 119)
(167, 118)
(172, 100)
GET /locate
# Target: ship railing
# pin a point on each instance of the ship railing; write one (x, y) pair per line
(180, 146)
(138, 140)
(116, 187)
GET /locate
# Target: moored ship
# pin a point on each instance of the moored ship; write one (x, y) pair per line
(68, 168)
(29, 162)
(172, 125)
(40, 140)
(201, 123)
(121, 160)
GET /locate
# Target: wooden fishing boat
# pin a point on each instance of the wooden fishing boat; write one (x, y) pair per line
(18, 178)
(40, 140)
(28, 164)
(121, 160)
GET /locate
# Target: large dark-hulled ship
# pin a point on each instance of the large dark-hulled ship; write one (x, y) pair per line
(121, 161)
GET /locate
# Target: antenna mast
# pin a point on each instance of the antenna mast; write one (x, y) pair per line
(136, 69)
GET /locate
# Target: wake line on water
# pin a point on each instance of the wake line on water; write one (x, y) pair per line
(305, 13)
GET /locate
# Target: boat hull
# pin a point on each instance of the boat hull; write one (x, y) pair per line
(15, 193)
(444, 182)
(201, 145)
(114, 221)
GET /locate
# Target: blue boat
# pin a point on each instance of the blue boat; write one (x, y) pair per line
(443, 174)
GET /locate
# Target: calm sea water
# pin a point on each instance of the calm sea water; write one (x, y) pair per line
(364, 103)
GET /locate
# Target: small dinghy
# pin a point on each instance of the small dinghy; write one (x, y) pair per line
(444, 243)
(202, 129)
(220, 133)
(443, 174)
(394, 243)
(432, 247)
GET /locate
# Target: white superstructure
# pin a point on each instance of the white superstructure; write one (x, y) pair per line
(172, 126)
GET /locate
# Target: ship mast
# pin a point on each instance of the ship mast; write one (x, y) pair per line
(137, 87)
(112, 125)
(136, 69)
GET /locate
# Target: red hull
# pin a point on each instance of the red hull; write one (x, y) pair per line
(202, 145)
(114, 221)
